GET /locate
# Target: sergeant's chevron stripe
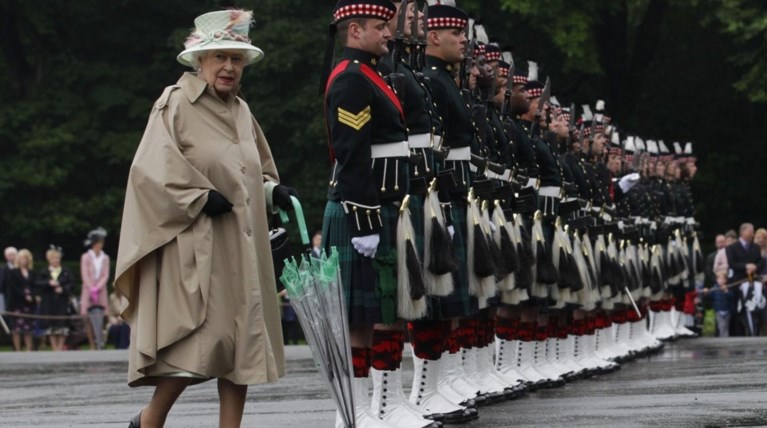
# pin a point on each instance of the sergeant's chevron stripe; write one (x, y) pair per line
(356, 121)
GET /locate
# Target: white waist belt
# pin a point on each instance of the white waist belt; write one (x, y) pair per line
(550, 191)
(503, 177)
(459, 154)
(437, 141)
(530, 182)
(390, 150)
(420, 141)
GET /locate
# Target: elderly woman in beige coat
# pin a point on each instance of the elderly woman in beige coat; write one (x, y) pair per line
(194, 262)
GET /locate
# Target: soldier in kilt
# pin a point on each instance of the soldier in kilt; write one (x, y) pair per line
(369, 179)
(399, 68)
(437, 341)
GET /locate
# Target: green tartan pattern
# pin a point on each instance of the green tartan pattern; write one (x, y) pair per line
(359, 278)
(459, 303)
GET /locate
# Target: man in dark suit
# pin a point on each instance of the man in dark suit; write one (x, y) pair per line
(10, 260)
(744, 259)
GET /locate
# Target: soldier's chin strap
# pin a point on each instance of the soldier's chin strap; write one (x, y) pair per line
(327, 63)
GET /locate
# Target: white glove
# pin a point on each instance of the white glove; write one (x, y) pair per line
(628, 181)
(451, 231)
(367, 245)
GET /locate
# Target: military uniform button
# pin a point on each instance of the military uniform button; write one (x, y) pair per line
(236, 140)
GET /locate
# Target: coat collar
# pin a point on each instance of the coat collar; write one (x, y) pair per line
(360, 56)
(193, 87)
(439, 64)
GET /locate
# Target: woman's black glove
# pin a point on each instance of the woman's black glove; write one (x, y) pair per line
(281, 196)
(217, 204)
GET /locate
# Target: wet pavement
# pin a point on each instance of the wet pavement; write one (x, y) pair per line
(697, 382)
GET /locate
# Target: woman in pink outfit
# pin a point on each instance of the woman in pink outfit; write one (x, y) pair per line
(94, 269)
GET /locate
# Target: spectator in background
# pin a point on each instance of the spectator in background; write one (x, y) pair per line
(744, 259)
(761, 240)
(55, 284)
(118, 331)
(94, 270)
(720, 261)
(723, 302)
(22, 299)
(10, 263)
(719, 243)
(317, 243)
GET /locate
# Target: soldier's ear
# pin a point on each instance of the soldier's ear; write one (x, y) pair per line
(433, 38)
(355, 29)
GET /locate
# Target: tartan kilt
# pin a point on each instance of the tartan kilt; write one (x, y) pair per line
(359, 277)
(459, 303)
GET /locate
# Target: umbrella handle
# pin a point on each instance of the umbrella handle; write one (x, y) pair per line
(299, 219)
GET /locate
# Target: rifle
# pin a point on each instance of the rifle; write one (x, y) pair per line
(571, 126)
(466, 65)
(506, 107)
(545, 96)
(396, 79)
(399, 36)
(484, 164)
(421, 63)
(413, 41)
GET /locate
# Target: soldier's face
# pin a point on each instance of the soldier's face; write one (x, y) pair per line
(372, 37)
(450, 44)
(222, 69)
(500, 93)
(473, 76)
(692, 169)
(534, 103)
(614, 164)
(598, 145)
(520, 103)
(409, 16)
(501, 82)
(559, 126)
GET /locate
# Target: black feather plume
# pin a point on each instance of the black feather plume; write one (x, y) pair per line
(441, 257)
(564, 270)
(414, 273)
(527, 255)
(508, 252)
(545, 272)
(606, 271)
(498, 262)
(483, 258)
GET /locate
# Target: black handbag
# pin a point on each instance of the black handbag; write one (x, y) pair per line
(280, 242)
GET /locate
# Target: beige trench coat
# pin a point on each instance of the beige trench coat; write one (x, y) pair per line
(199, 291)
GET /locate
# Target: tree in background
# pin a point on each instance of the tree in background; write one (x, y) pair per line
(79, 79)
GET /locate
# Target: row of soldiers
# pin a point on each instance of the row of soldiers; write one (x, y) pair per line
(519, 248)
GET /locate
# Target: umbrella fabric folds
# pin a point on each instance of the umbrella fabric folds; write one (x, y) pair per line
(315, 291)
